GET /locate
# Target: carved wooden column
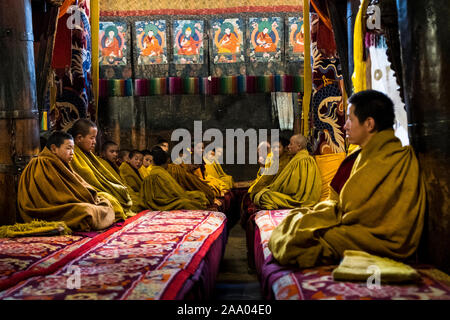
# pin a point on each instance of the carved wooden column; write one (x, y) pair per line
(19, 127)
(424, 38)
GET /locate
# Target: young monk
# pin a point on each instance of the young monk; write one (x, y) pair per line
(182, 173)
(280, 157)
(109, 154)
(147, 163)
(214, 169)
(88, 166)
(123, 156)
(163, 144)
(129, 171)
(160, 191)
(299, 184)
(379, 209)
(50, 190)
(218, 185)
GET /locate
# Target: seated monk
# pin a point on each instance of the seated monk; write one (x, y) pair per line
(50, 190)
(147, 163)
(299, 184)
(379, 209)
(129, 171)
(218, 185)
(88, 166)
(214, 169)
(264, 160)
(181, 171)
(160, 191)
(109, 154)
(280, 157)
(123, 156)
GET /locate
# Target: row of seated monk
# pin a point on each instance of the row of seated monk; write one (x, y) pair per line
(376, 200)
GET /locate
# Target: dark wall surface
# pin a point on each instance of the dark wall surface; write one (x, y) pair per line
(136, 122)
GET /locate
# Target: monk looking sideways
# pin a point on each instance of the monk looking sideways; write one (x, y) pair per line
(380, 208)
(50, 190)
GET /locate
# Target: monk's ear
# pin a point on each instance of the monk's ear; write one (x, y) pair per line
(53, 148)
(78, 137)
(370, 124)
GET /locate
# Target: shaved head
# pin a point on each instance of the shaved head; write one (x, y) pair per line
(297, 143)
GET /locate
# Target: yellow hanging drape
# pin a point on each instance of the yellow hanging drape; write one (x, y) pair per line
(359, 72)
(307, 83)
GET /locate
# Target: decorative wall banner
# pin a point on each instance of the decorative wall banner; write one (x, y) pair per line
(188, 41)
(296, 50)
(228, 40)
(113, 44)
(265, 39)
(151, 42)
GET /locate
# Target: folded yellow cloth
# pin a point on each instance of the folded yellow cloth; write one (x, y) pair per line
(359, 266)
(35, 228)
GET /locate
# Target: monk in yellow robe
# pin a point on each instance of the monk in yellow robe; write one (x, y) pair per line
(299, 184)
(109, 155)
(147, 163)
(160, 191)
(214, 169)
(280, 157)
(88, 166)
(380, 208)
(129, 171)
(264, 160)
(50, 190)
(123, 156)
(218, 185)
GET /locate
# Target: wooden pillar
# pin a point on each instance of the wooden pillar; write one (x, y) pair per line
(424, 38)
(19, 127)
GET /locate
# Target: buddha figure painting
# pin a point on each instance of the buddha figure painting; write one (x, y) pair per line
(227, 41)
(188, 41)
(151, 42)
(296, 39)
(265, 39)
(112, 43)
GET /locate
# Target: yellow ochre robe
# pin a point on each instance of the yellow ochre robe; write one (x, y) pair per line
(214, 169)
(50, 190)
(160, 191)
(299, 184)
(134, 183)
(380, 211)
(267, 165)
(88, 166)
(189, 181)
(268, 176)
(219, 187)
(113, 168)
(144, 171)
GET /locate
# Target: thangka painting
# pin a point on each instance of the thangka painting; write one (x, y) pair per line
(113, 43)
(151, 42)
(227, 40)
(265, 39)
(296, 39)
(188, 41)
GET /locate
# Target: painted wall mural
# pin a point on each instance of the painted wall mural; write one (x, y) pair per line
(265, 39)
(151, 42)
(228, 40)
(188, 42)
(113, 43)
(296, 49)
